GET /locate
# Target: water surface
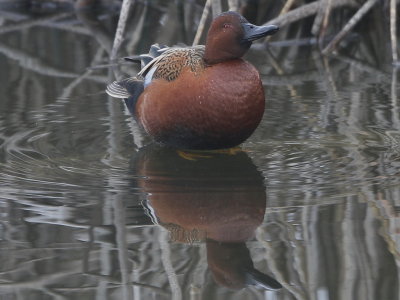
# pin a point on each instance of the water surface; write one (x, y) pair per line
(91, 209)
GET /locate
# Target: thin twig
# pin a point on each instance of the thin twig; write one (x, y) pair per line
(325, 23)
(283, 11)
(13, 16)
(393, 24)
(34, 63)
(33, 22)
(305, 11)
(126, 5)
(318, 18)
(364, 67)
(395, 102)
(328, 75)
(67, 91)
(168, 267)
(321, 19)
(286, 7)
(67, 27)
(202, 23)
(274, 63)
(352, 22)
(122, 244)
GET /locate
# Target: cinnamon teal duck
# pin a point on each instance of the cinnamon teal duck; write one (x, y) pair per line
(200, 97)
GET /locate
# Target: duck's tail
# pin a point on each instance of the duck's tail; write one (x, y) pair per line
(128, 89)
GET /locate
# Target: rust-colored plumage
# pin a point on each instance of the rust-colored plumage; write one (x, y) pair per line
(200, 97)
(222, 107)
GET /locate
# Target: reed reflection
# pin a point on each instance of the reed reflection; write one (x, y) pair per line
(216, 198)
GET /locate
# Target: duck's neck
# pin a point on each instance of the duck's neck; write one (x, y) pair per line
(216, 51)
(212, 57)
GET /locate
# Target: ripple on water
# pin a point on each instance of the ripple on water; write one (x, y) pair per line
(35, 164)
(323, 168)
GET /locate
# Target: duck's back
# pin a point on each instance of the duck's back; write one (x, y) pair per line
(202, 107)
(169, 64)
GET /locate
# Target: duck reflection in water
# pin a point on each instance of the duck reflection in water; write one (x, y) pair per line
(218, 199)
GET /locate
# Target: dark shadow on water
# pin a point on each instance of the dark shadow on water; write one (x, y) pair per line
(216, 198)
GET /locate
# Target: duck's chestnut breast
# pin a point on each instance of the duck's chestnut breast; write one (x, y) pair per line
(219, 107)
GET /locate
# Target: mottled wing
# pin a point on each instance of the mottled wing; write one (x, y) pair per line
(161, 62)
(169, 65)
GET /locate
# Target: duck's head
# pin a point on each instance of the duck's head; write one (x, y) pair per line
(231, 35)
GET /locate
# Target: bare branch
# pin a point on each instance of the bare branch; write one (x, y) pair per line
(37, 65)
(305, 11)
(202, 23)
(126, 6)
(352, 22)
(393, 29)
(33, 22)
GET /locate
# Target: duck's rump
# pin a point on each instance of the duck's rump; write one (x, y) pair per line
(160, 63)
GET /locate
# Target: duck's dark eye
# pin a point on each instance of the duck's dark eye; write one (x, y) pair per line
(227, 25)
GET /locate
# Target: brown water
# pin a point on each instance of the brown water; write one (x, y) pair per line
(91, 210)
